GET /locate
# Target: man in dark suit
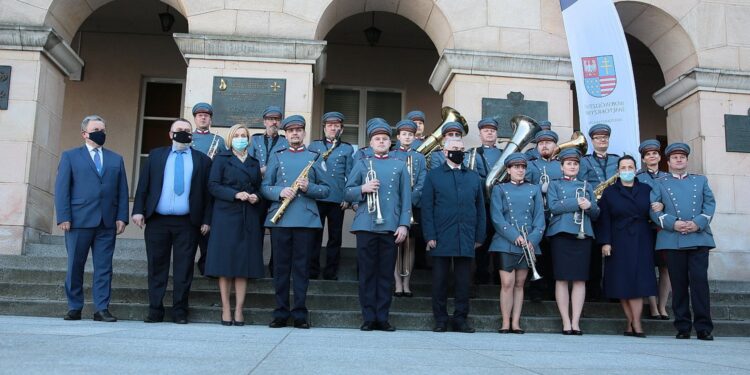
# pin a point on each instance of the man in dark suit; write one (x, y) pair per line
(173, 199)
(91, 199)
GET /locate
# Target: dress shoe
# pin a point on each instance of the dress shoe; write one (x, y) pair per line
(503, 330)
(518, 331)
(385, 326)
(628, 333)
(104, 316)
(683, 335)
(238, 323)
(577, 332)
(567, 332)
(153, 319)
(639, 335)
(463, 327)
(705, 335)
(654, 317)
(180, 320)
(277, 323)
(440, 327)
(664, 317)
(398, 294)
(367, 326)
(408, 294)
(73, 315)
(227, 323)
(301, 323)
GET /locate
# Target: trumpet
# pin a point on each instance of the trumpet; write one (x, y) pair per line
(579, 217)
(214, 146)
(373, 199)
(544, 180)
(528, 254)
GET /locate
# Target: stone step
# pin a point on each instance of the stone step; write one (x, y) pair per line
(352, 319)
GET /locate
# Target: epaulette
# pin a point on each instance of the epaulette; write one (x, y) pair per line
(313, 151)
(281, 150)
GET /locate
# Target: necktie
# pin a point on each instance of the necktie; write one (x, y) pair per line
(97, 161)
(179, 173)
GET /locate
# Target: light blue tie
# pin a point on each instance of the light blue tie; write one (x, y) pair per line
(179, 173)
(97, 161)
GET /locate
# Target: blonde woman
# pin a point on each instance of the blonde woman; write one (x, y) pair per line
(235, 249)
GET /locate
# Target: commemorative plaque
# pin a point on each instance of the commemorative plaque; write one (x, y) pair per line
(242, 100)
(4, 86)
(502, 110)
(737, 132)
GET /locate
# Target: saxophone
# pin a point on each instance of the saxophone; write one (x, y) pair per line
(599, 190)
(295, 188)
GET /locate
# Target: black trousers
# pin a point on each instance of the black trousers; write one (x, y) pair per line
(484, 258)
(462, 274)
(176, 238)
(291, 248)
(420, 248)
(334, 214)
(376, 259)
(688, 274)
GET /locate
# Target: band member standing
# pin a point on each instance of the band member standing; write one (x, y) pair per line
(650, 151)
(173, 202)
(418, 118)
(209, 144)
(518, 218)
(91, 200)
(453, 216)
(483, 158)
(533, 152)
(420, 253)
(293, 235)
(337, 168)
(417, 171)
(379, 187)
(596, 168)
(686, 238)
(572, 206)
(367, 152)
(450, 130)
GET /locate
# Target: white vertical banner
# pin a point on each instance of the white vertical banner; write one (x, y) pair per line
(603, 71)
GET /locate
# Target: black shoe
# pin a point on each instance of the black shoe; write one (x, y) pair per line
(639, 335)
(567, 332)
(385, 326)
(104, 316)
(664, 317)
(278, 323)
(227, 323)
(503, 330)
(238, 323)
(654, 317)
(683, 335)
(153, 319)
(518, 331)
(440, 327)
(408, 294)
(628, 334)
(301, 323)
(577, 332)
(398, 294)
(367, 326)
(180, 320)
(463, 327)
(705, 335)
(73, 315)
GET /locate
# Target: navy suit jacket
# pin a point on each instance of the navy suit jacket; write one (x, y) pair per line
(151, 179)
(86, 199)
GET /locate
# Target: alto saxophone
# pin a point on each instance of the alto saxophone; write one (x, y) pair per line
(599, 190)
(295, 187)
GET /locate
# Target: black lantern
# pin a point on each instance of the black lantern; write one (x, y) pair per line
(372, 33)
(167, 20)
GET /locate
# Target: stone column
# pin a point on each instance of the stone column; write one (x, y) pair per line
(29, 142)
(696, 104)
(295, 60)
(464, 78)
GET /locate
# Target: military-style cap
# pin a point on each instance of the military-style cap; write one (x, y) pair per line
(293, 121)
(375, 120)
(487, 121)
(649, 145)
(600, 129)
(546, 135)
(515, 158)
(378, 127)
(203, 108)
(407, 125)
(273, 110)
(570, 154)
(332, 116)
(452, 126)
(545, 125)
(415, 115)
(677, 148)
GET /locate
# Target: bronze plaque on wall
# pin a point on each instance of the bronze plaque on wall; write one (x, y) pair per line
(4, 86)
(737, 133)
(242, 100)
(502, 110)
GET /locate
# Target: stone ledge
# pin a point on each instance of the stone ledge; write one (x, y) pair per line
(702, 79)
(238, 48)
(45, 40)
(453, 62)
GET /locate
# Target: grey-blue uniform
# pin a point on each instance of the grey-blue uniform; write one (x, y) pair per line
(363, 152)
(645, 175)
(436, 156)
(376, 246)
(337, 167)
(486, 156)
(686, 197)
(418, 170)
(292, 237)
(595, 168)
(533, 152)
(563, 205)
(264, 146)
(415, 116)
(539, 165)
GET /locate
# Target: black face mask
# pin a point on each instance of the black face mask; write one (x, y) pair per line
(456, 156)
(182, 137)
(98, 137)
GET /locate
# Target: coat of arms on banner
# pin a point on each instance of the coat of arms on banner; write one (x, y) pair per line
(599, 75)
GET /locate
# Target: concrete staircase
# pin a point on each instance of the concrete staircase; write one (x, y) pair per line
(32, 284)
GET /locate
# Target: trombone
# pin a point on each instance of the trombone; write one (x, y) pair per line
(373, 199)
(528, 254)
(579, 216)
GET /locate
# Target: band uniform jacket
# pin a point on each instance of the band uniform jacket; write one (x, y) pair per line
(515, 206)
(689, 198)
(336, 169)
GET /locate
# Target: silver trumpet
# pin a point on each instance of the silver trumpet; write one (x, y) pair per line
(373, 199)
(528, 254)
(579, 217)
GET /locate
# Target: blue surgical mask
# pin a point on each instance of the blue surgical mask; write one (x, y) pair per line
(627, 176)
(239, 144)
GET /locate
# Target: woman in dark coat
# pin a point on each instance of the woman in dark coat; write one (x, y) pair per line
(235, 249)
(628, 243)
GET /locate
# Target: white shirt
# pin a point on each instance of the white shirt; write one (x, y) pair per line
(92, 153)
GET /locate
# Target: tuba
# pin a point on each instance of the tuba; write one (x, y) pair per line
(577, 140)
(433, 141)
(524, 129)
